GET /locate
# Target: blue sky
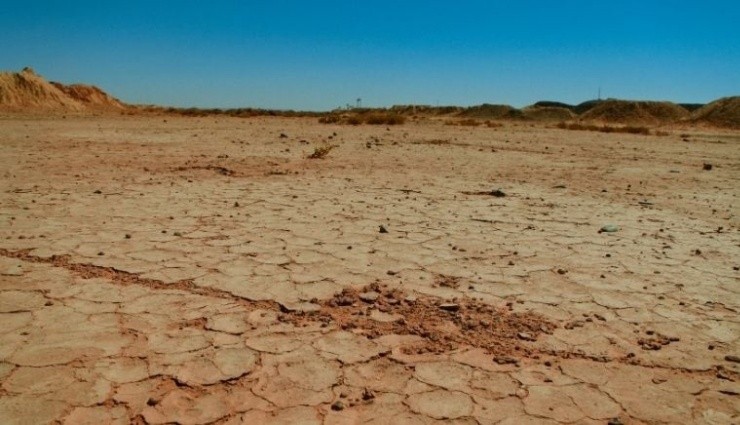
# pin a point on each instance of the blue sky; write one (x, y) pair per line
(322, 54)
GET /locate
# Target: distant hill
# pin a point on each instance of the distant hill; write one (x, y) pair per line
(488, 111)
(723, 112)
(27, 91)
(90, 96)
(548, 113)
(634, 112)
(552, 104)
(586, 106)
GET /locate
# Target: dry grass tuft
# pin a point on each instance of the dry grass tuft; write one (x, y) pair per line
(364, 117)
(321, 152)
(469, 122)
(603, 128)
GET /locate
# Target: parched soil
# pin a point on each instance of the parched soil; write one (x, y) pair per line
(207, 270)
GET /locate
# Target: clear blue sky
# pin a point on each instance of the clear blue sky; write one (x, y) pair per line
(322, 54)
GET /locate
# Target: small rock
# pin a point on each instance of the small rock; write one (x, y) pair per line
(498, 193)
(299, 306)
(449, 306)
(733, 359)
(707, 167)
(337, 405)
(127, 236)
(504, 360)
(382, 229)
(609, 228)
(722, 374)
(369, 297)
(367, 394)
(98, 192)
(525, 336)
(562, 271)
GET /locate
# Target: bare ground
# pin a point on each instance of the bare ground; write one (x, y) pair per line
(202, 270)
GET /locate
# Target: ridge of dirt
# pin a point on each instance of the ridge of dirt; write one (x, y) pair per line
(376, 310)
(89, 95)
(548, 113)
(632, 112)
(443, 325)
(723, 112)
(26, 91)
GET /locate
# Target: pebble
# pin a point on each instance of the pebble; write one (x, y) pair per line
(503, 360)
(337, 405)
(367, 394)
(733, 359)
(382, 229)
(369, 297)
(498, 193)
(525, 336)
(450, 306)
(609, 228)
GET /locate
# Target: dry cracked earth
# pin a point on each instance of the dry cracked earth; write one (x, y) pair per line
(199, 270)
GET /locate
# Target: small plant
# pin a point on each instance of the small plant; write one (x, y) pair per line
(354, 120)
(604, 128)
(321, 152)
(469, 122)
(330, 119)
(364, 117)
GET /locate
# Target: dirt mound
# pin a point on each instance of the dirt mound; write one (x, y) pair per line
(27, 91)
(90, 95)
(548, 113)
(552, 104)
(488, 111)
(425, 110)
(723, 112)
(635, 112)
(586, 106)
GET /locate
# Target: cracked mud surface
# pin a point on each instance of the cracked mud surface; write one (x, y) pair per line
(204, 271)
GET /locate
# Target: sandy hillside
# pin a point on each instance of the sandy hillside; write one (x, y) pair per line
(28, 92)
(548, 113)
(635, 112)
(168, 269)
(723, 112)
(90, 96)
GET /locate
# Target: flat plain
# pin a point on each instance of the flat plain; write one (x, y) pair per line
(163, 269)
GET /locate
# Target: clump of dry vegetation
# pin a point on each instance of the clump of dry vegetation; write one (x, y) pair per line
(371, 117)
(321, 152)
(470, 122)
(604, 128)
